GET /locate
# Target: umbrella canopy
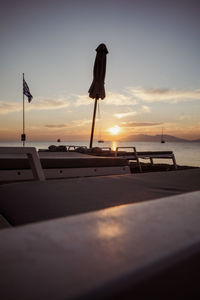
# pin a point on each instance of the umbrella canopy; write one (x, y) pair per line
(97, 90)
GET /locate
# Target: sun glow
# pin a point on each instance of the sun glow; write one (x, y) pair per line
(114, 130)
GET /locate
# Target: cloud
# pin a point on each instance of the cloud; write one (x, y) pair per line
(48, 104)
(143, 109)
(164, 95)
(185, 117)
(8, 107)
(82, 100)
(134, 95)
(41, 104)
(73, 124)
(131, 97)
(119, 99)
(146, 109)
(139, 124)
(116, 99)
(56, 126)
(80, 123)
(124, 115)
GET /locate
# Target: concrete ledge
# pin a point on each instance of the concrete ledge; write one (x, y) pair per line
(103, 254)
(4, 223)
(37, 201)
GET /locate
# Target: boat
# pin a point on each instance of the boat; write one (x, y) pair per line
(100, 141)
(162, 138)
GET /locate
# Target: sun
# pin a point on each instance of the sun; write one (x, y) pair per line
(114, 130)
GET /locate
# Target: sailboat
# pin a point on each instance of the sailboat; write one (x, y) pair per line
(162, 138)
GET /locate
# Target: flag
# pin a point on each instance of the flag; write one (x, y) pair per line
(27, 91)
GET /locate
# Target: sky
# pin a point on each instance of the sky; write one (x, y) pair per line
(152, 76)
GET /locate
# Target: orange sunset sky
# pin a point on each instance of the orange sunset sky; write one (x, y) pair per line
(152, 78)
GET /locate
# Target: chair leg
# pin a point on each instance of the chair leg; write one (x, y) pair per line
(174, 162)
(137, 159)
(36, 167)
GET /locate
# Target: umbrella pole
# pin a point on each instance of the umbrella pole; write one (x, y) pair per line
(93, 122)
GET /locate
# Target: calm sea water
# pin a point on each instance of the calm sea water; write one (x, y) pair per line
(185, 153)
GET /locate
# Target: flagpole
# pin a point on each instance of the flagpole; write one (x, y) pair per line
(23, 135)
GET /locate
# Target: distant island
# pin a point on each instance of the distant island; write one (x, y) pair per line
(155, 138)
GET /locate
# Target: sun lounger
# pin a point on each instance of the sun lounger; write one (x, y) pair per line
(61, 165)
(31, 157)
(151, 155)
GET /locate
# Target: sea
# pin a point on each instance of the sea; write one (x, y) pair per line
(186, 153)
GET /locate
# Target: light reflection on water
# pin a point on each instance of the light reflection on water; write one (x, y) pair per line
(114, 146)
(186, 153)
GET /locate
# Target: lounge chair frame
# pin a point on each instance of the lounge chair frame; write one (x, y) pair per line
(32, 156)
(135, 155)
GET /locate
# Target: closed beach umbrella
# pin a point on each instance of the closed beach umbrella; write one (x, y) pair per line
(97, 90)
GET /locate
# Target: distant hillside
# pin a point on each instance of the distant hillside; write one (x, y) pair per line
(154, 138)
(196, 141)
